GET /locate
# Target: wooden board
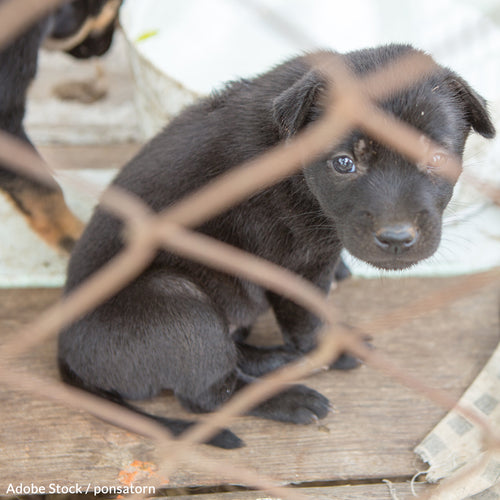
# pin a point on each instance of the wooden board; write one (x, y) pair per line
(83, 157)
(349, 492)
(371, 435)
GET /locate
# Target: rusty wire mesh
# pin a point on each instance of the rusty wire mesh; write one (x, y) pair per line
(350, 105)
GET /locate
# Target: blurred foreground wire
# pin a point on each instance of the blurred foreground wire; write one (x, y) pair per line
(352, 104)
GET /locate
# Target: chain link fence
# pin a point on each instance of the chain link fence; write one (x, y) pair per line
(351, 104)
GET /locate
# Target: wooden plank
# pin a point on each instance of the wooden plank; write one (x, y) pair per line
(387, 491)
(376, 425)
(80, 157)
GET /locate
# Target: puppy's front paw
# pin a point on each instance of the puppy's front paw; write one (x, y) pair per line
(297, 405)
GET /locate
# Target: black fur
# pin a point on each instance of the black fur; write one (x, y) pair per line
(18, 64)
(18, 60)
(172, 328)
(70, 17)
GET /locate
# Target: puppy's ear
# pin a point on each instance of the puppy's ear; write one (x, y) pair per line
(475, 106)
(296, 106)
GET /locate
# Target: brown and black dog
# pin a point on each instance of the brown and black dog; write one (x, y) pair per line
(83, 28)
(178, 325)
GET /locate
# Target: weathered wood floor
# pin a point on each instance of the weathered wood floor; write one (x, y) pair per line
(368, 439)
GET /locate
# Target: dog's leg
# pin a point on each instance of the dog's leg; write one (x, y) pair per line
(299, 328)
(44, 209)
(163, 332)
(297, 404)
(43, 206)
(257, 360)
(160, 332)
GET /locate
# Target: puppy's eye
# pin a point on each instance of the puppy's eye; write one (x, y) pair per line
(342, 164)
(438, 160)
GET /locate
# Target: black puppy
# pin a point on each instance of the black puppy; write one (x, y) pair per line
(84, 28)
(174, 327)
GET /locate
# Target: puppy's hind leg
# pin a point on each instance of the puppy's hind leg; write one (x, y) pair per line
(43, 205)
(224, 439)
(45, 211)
(160, 332)
(257, 361)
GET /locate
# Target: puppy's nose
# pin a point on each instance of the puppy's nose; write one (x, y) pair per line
(397, 238)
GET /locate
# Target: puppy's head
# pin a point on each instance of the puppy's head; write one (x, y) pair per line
(386, 209)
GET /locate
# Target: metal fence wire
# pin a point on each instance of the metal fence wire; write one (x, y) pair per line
(351, 104)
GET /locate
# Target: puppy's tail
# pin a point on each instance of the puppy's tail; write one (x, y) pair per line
(224, 439)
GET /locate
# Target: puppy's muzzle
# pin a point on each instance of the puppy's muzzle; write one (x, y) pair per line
(397, 238)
